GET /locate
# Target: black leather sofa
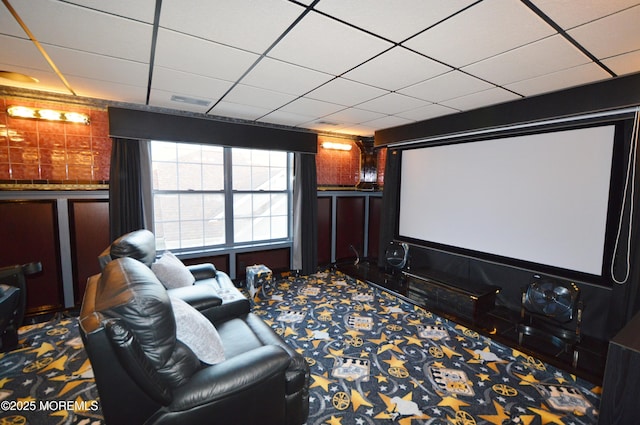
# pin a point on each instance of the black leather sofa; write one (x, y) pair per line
(144, 374)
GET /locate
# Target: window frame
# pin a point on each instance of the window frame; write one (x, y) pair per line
(228, 192)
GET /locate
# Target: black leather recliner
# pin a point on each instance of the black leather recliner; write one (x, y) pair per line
(13, 301)
(144, 374)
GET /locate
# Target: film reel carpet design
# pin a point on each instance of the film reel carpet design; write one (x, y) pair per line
(377, 359)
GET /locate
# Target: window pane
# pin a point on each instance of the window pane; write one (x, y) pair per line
(212, 155)
(278, 178)
(191, 207)
(189, 176)
(167, 235)
(242, 230)
(279, 227)
(165, 175)
(188, 152)
(166, 208)
(163, 151)
(261, 205)
(279, 204)
(241, 156)
(261, 228)
(241, 177)
(212, 177)
(260, 178)
(278, 159)
(191, 234)
(242, 205)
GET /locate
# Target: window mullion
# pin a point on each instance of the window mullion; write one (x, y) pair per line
(228, 195)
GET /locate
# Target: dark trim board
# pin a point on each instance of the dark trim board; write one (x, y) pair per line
(147, 125)
(616, 93)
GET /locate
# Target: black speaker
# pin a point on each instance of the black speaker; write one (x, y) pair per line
(620, 390)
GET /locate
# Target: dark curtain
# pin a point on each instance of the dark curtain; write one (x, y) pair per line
(625, 300)
(389, 203)
(305, 214)
(126, 187)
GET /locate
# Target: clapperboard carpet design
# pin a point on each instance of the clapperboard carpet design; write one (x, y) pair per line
(376, 359)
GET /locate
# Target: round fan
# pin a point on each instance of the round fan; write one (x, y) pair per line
(552, 299)
(396, 254)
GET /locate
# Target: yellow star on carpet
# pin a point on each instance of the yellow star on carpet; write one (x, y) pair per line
(334, 353)
(452, 402)
(289, 331)
(449, 352)
(58, 364)
(364, 354)
(367, 307)
(483, 376)
(547, 417)
(499, 417)
(383, 338)
(4, 381)
(393, 346)
(42, 349)
(395, 362)
(334, 421)
(413, 340)
(358, 400)
(527, 379)
(71, 385)
(346, 301)
(414, 322)
(381, 378)
(321, 381)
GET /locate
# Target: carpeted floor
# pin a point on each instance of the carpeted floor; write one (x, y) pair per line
(378, 359)
(375, 359)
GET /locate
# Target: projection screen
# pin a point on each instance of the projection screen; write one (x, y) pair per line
(540, 198)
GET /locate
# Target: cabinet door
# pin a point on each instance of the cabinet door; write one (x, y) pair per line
(29, 233)
(324, 230)
(89, 228)
(349, 227)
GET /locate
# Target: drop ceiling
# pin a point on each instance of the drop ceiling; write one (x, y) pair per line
(340, 66)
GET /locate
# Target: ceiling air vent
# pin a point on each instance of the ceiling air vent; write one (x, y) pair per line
(189, 100)
(327, 123)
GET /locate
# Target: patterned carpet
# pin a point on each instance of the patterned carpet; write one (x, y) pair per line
(49, 380)
(375, 359)
(378, 359)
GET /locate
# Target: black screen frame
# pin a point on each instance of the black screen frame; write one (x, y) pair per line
(621, 148)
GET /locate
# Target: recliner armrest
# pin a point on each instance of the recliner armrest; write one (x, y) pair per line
(203, 271)
(232, 377)
(199, 297)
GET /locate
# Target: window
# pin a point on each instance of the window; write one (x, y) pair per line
(211, 196)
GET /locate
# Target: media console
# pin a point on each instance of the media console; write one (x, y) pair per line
(474, 306)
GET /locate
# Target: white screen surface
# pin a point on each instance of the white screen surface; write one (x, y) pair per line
(540, 198)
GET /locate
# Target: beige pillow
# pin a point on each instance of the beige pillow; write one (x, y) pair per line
(172, 272)
(197, 332)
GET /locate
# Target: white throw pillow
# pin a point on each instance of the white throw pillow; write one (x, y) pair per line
(172, 272)
(197, 332)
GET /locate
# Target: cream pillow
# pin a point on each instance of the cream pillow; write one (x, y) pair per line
(197, 332)
(172, 272)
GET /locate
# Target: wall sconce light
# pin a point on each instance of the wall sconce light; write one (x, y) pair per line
(47, 114)
(337, 146)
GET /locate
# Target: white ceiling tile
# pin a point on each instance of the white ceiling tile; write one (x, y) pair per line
(427, 112)
(352, 116)
(29, 55)
(201, 57)
(162, 99)
(392, 103)
(529, 61)
(250, 24)
(570, 77)
(261, 98)
(569, 14)
(345, 92)
(285, 118)
(184, 83)
(99, 67)
(280, 76)
(141, 10)
(235, 110)
(447, 86)
(357, 130)
(393, 21)
(624, 64)
(383, 71)
(323, 44)
(312, 107)
(484, 30)
(386, 122)
(108, 90)
(89, 30)
(600, 38)
(485, 98)
(47, 79)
